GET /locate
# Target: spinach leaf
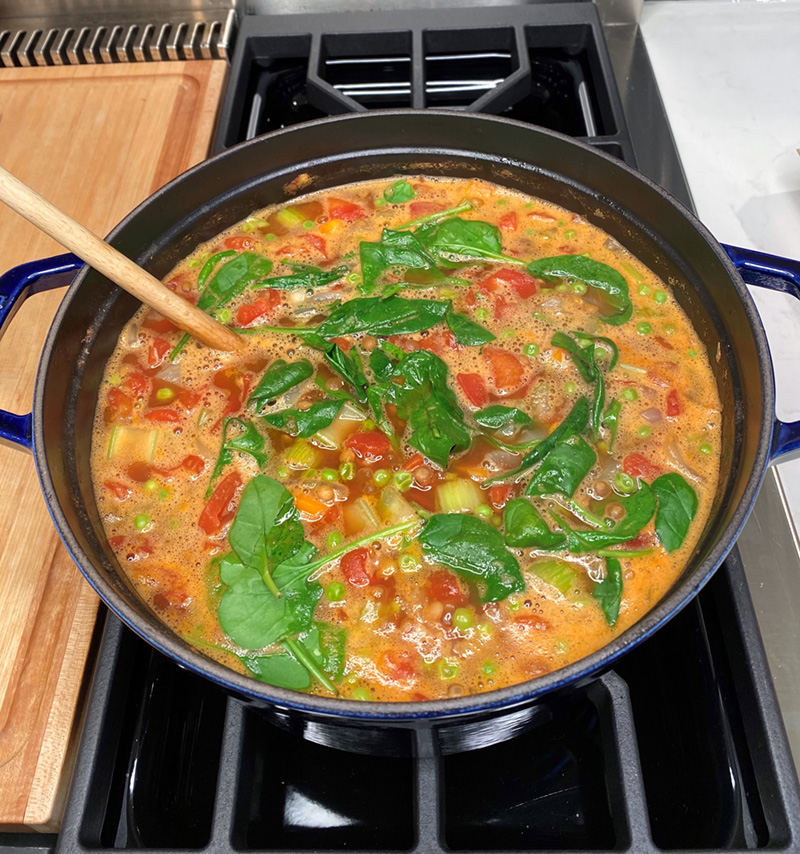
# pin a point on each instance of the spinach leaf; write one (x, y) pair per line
(563, 469)
(280, 669)
(348, 366)
(458, 241)
(525, 527)
(308, 278)
(677, 506)
(639, 509)
(326, 643)
(396, 249)
(582, 337)
(594, 274)
(475, 550)
(496, 417)
(609, 591)
(305, 422)
(466, 331)
(611, 421)
(247, 441)
(232, 278)
(462, 207)
(392, 316)
(574, 423)
(279, 377)
(584, 357)
(381, 365)
(424, 400)
(208, 267)
(399, 192)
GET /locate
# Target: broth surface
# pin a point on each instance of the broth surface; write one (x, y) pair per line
(349, 430)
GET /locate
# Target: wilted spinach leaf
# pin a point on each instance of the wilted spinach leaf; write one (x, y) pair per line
(279, 377)
(611, 421)
(563, 469)
(609, 591)
(497, 417)
(392, 316)
(280, 669)
(326, 643)
(594, 274)
(307, 277)
(305, 422)
(396, 249)
(399, 192)
(459, 241)
(467, 331)
(677, 506)
(247, 441)
(475, 550)
(525, 527)
(232, 278)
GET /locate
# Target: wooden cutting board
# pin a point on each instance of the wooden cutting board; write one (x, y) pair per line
(96, 140)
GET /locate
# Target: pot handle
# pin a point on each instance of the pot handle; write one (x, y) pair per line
(775, 274)
(16, 286)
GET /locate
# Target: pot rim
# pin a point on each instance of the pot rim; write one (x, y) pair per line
(398, 713)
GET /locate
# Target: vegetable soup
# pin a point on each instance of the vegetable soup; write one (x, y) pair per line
(471, 440)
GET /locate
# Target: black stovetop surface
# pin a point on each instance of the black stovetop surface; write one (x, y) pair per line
(680, 748)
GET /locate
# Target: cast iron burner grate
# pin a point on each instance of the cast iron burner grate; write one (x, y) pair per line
(545, 64)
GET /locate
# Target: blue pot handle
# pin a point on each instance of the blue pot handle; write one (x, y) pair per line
(15, 287)
(776, 274)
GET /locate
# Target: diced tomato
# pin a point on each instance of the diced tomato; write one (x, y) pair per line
(638, 466)
(318, 243)
(231, 380)
(193, 464)
(509, 221)
(188, 399)
(117, 489)
(529, 621)
(220, 508)
(643, 540)
(397, 664)
(117, 542)
(119, 406)
(138, 471)
(414, 462)
(418, 209)
(523, 285)
(263, 305)
(342, 209)
(507, 370)
(136, 383)
(443, 586)
(567, 249)
(662, 342)
(474, 389)
(163, 416)
(500, 306)
(159, 324)
(674, 407)
(354, 567)
(500, 494)
(159, 350)
(370, 446)
(295, 250)
(240, 242)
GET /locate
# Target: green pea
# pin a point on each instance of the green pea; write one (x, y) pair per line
(116, 379)
(282, 472)
(335, 591)
(644, 328)
(578, 288)
(447, 669)
(151, 485)
(361, 694)
(165, 394)
(507, 334)
(330, 475)
(382, 477)
(463, 618)
(644, 431)
(194, 263)
(624, 483)
(496, 520)
(369, 424)
(141, 521)
(669, 329)
(334, 540)
(562, 288)
(347, 471)
(570, 387)
(163, 494)
(485, 630)
(484, 511)
(403, 480)
(408, 563)
(353, 278)
(308, 224)
(629, 394)
(489, 668)
(705, 449)
(660, 297)
(644, 290)
(569, 234)
(691, 352)
(531, 350)
(514, 604)
(502, 201)
(380, 202)
(482, 314)
(270, 236)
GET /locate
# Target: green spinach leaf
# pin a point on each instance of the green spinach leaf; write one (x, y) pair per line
(609, 591)
(611, 421)
(247, 441)
(279, 377)
(304, 423)
(525, 527)
(563, 469)
(280, 669)
(498, 417)
(609, 282)
(326, 643)
(677, 506)
(232, 278)
(467, 331)
(392, 316)
(309, 278)
(396, 249)
(458, 241)
(475, 550)
(399, 192)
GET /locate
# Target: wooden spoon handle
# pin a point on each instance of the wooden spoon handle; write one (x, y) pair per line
(113, 264)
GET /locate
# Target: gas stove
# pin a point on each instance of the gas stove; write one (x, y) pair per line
(681, 747)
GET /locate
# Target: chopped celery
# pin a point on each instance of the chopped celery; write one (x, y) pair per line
(301, 455)
(132, 444)
(558, 573)
(458, 496)
(289, 217)
(332, 437)
(361, 516)
(393, 507)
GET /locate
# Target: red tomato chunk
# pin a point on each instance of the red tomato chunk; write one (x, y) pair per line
(354, 568)
(370, 446)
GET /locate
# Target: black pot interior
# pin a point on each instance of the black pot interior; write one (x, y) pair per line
(225, 190)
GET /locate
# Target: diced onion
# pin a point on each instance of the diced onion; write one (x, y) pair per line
(652, 415)
(170, 373)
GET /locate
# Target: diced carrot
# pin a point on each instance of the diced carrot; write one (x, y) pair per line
(119, 490)
(414, 462)
(507, 370)
(309, 507)
(331, 227)
(163, 416)
(474, 388)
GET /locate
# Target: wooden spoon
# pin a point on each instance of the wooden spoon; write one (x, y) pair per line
(114, 265)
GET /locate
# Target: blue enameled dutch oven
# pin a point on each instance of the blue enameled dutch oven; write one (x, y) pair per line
(218, 193)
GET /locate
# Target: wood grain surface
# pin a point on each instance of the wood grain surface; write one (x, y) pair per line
(96, 140)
